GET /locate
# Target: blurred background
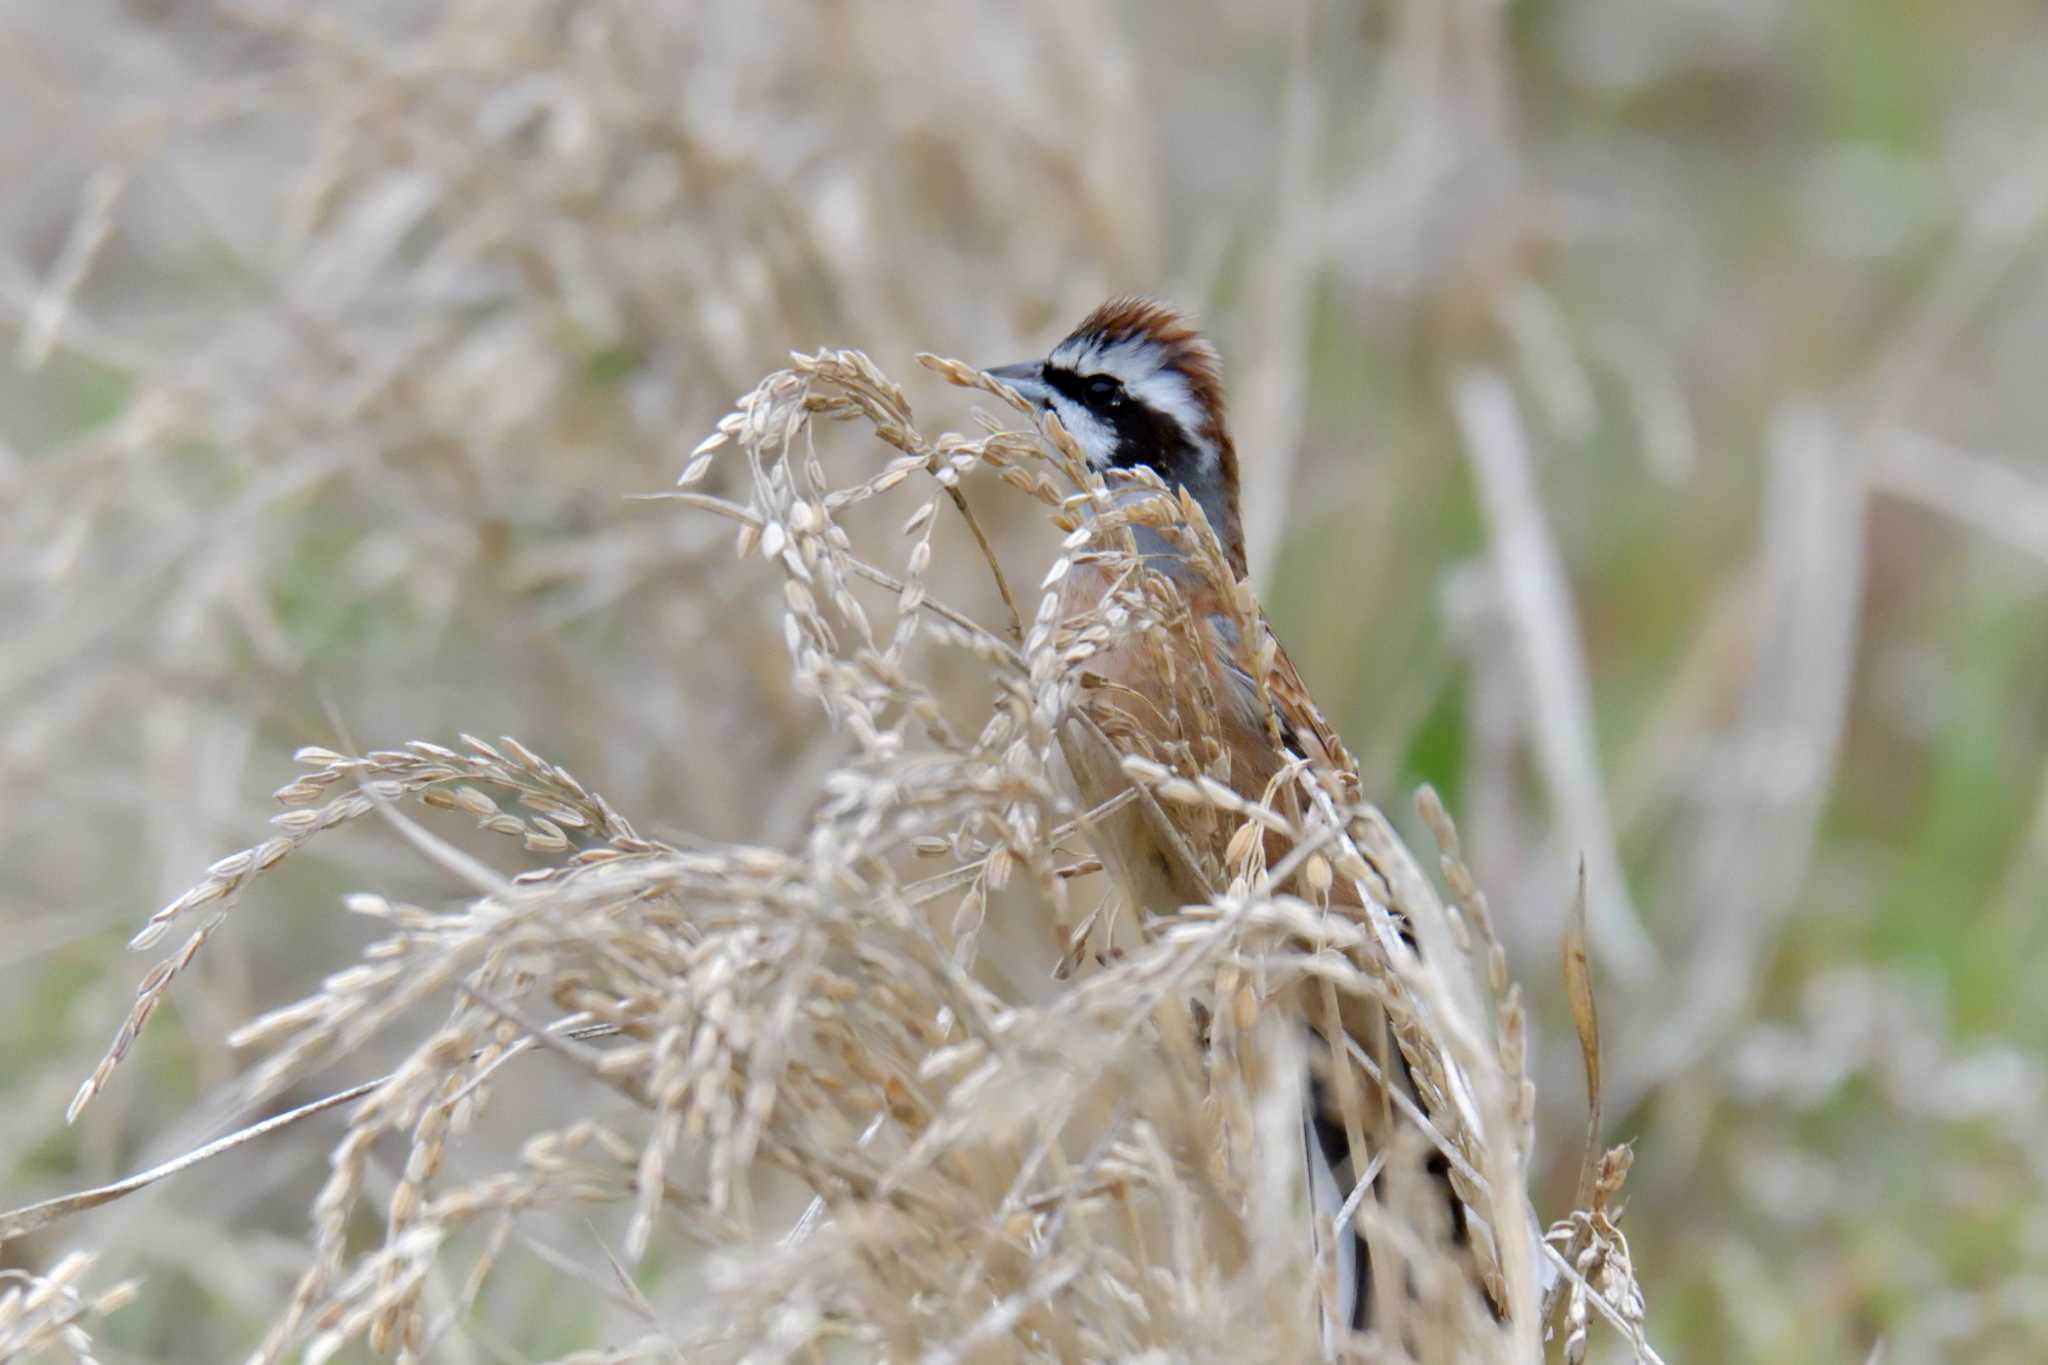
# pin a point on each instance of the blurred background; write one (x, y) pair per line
(1645, 440)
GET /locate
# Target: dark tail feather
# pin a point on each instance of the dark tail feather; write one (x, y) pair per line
(1330, 1181)
(1331, 1178)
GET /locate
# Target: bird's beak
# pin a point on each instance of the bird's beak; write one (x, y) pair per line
(1028, 379)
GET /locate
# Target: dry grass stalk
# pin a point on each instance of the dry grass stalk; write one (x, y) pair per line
(45, 1316)
(802, 1084)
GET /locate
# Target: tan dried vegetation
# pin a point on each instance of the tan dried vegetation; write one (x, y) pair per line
(342, 338)
(976, 1176)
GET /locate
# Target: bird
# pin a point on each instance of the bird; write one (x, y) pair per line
(1138, 388)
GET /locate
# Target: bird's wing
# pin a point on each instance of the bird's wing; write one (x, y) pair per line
(1301, 729)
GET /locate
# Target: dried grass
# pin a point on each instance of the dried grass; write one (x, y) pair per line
(978, 1176)
(338, 337)
(40, 1314)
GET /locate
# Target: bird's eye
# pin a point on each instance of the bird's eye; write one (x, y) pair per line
(1102, 390)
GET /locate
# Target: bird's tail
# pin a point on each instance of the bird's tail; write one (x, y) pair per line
(1334, 1172)
(1330, 1182)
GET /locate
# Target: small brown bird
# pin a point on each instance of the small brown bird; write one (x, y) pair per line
(1137, 387)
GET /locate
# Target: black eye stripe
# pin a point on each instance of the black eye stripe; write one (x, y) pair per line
(1093, 390)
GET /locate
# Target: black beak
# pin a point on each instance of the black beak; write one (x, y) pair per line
(1028, 379)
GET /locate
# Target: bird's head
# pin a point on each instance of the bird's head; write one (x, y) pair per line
(1136, 385)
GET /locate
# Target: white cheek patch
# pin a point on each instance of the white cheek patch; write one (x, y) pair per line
(1098, 441)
